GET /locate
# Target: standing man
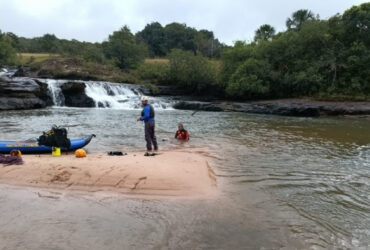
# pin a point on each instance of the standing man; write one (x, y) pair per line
(147, 115)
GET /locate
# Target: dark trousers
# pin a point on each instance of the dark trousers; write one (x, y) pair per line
(150, 136)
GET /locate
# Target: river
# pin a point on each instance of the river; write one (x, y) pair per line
(285, 182)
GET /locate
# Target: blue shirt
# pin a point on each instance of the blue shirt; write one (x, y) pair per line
(146, 114)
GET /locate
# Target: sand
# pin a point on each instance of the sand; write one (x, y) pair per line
(171, 173)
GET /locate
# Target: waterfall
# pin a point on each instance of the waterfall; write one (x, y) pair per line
(56, 91)
(6, 72)
(107, 95)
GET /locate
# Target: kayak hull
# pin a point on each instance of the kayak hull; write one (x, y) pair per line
(32, 146)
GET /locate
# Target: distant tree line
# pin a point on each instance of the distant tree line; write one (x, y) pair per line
(162, 40)
(123, 47)
(312, 57)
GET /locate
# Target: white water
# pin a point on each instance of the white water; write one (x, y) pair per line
(108, 95)
(56, 92)
(7, 72)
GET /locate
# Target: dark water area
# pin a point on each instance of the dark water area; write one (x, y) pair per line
(285, 182)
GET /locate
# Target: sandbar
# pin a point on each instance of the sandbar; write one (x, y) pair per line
(169, 174)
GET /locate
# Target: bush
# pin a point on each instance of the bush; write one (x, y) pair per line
(251, 80)
(123, 49)
(195, 74)
(155, 73)
(7, 53)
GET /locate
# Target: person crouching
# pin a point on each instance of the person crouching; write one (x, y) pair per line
(182, 134)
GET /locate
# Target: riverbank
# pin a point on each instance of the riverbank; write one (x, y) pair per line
(34, 93)
(283, 107)
(169, 174)
(28, 93)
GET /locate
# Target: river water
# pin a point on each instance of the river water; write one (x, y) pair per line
(285, 182)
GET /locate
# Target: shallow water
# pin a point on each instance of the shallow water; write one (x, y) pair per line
(285, 183)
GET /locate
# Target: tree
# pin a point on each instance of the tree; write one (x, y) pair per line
(191, 72)
(153, 35)
(7, 52)
(179, 36)
(92, 52)
(298, 18)
(250, 80)
(357, 23)
(233, 57)
(13, 39)
(207, 44)
(49, 43)
(265, 33)
(123, 49)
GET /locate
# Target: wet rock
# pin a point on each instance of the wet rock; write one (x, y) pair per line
(109, 90)
(297, 107)
(22, 71)
(45, 93)
(170, 91)
(22, 94)
(194, 105)
(73, 87)
(140, 90)
(75, 96)
(12, 103)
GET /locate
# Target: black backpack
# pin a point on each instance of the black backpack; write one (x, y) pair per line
(56, 137)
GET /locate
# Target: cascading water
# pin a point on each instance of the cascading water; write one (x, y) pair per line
(107, 95)
(6, 72)
(56, 91)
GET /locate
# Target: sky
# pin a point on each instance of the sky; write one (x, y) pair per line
(94, 20)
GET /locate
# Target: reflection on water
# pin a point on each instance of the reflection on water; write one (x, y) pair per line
(286, 182)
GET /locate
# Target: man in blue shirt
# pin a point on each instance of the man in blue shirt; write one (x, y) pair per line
(147, 115)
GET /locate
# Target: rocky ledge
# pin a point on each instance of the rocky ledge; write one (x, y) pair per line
(27, 93)
(286, 107)
(23, 94)
(75, 96)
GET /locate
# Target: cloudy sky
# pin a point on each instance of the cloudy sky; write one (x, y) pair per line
(94, 20)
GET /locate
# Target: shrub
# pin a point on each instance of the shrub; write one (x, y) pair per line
(196, 74)
(154, 72)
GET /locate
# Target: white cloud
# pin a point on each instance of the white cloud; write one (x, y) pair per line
(94, 20)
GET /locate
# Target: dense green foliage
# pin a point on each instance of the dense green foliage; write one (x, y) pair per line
(123, 49)
(156, 73)
(153, 35)
(312, 58)
(161, 40)
(7, 52)
(265, 33)
(194, 74)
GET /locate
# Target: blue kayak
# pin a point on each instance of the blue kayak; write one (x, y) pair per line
(32, 146)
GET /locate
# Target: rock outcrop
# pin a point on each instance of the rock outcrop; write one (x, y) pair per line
(75, 96)
(23, 94)
(288, 107)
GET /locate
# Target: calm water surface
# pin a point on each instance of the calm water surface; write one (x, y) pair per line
(285, 182)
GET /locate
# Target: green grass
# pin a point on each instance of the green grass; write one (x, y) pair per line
(156, 60)
(28, 58)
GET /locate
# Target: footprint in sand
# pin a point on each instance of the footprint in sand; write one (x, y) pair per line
(87, 174)
(62, 177)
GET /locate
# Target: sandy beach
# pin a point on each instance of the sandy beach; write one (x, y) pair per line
(167, 174)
